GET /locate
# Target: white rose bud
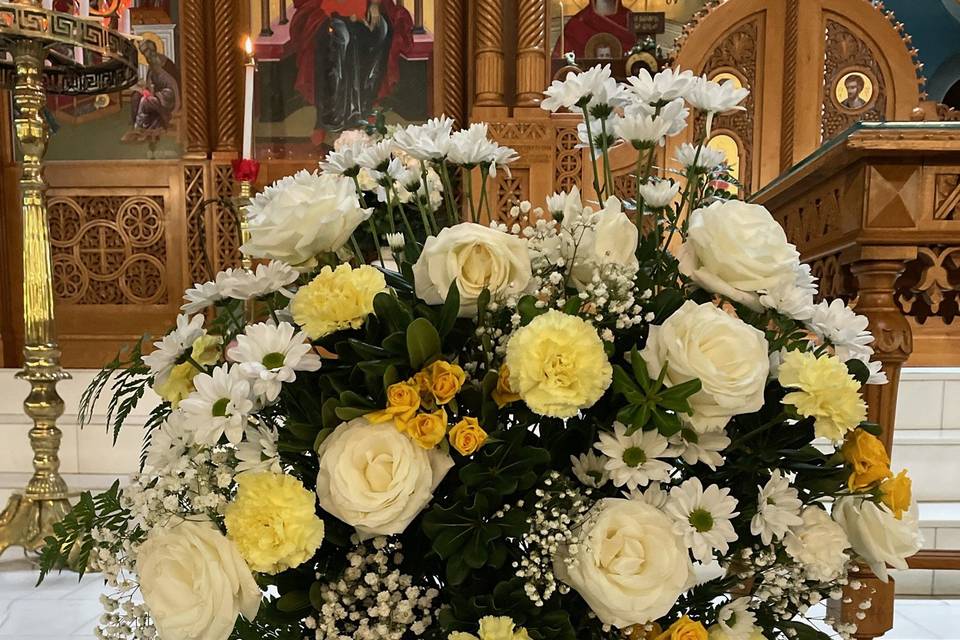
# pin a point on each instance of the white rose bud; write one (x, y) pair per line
(737, 249)
(375, 478)
(194, 581)
(476, 258)
(728, 356)
(876, 535)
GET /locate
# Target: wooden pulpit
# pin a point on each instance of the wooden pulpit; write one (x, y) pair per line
(876, 213)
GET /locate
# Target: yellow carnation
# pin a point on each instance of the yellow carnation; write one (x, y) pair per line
(467, 436)
(557, 365)
(403, 400)
(442, 380)
(684, 629)
(504, 394)
(825, 391)
(494, 628)
(337, 299)
(273, 521)
(426, 429)
(867, 457)
(897, 493)
(717, 633)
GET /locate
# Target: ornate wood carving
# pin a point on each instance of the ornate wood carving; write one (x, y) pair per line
(930, 285)
(450, 60)
(947, 197)
(845, 51)
(531, 51)
(791, 50)
(488, 29)
(109, 249)
(196, 77)
(568, 166)
(737, 53)
(834, 278)
(225, 90)
(511, 190)
(198, 222)
(225, 231)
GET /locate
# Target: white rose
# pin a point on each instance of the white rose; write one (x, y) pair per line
(877, 536)
(819, 544)
(728, 356)
(737, 249)
(194, 581)
(303, 215)
(628, 566)
(375, 478)
(593, 240)
(476, 258)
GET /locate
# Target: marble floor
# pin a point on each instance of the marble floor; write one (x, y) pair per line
(64, 607)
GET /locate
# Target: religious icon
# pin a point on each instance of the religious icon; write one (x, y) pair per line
(607, 18)
(854, 91)
(154, 102)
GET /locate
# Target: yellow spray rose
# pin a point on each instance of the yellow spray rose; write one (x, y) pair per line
(867, 457)
(823, 390)
(467, 436)
(558, 365)
(179, 384)
(684, 629)
(403, 401)
(897, 493)
(337, 299)
(440, 382)
(426, 429)
(504, 394)
(273, 521)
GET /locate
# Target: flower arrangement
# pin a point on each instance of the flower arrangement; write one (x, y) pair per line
(548, 425)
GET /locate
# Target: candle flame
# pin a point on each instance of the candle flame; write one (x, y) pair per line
(248, 46)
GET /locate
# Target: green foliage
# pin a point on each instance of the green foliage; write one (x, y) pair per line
(650, 404)
(72, 543)
(130, 380)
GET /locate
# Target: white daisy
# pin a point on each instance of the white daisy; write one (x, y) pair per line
(703, 517)
(597, 136)
(344, 161)
(427, 141)
(273, 277)
(633, 459)
(171, 349)
(778, 509)
(674, 112)
(471, 147)
(607, 96)
(658, 194)
(793, 299)
(641, 130)
(589, 469)
(654, 495)
(736, 620)
(708, 159)
(714, 97)
(663, 87)
(168, 444)
(272, 354)
(502, 157)
(376, 156)
(219, 406)
(576, 88)
(838, 324)
(705, 448)
(258, 451)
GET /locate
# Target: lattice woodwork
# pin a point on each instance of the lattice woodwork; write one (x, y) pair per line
(225, 231)
(108, 249)
(511, 190)
(834, 279)
(198, 223)
(930, 285)
(568, 166)
(737, 53)
(845, 52)
(625, 186)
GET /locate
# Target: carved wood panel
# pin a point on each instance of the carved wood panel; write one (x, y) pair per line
(846, 52)
(568, 165)
(737, 54)
(946, 197)
(225, 231)
(930, 285)
(109, 249)
(198, 222)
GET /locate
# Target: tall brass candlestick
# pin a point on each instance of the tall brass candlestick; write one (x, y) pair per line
(26, 32)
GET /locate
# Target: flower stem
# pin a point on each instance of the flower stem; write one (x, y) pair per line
(593, 153)
(449, 198)
(434, 227)
(604, 149)
(473, 209)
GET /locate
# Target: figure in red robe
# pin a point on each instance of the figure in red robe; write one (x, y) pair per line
(600, 16)
(348, 59)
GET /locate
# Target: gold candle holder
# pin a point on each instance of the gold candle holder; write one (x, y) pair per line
(26, 33)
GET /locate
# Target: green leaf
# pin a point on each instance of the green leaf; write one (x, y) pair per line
(859, 370)
(528, 310)
(423, 342)
(393, 314)
(450, 310)
(640, 372)
(294, 601)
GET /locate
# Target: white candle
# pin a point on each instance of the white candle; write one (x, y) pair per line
(123, 22)
(47, 4)
(249, 69)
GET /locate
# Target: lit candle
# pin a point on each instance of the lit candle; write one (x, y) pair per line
(249, 68)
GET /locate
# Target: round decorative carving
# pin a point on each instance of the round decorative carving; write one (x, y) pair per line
(69, 278)
(141, 221)
(101, 249)
(66, 218)
(142, 279)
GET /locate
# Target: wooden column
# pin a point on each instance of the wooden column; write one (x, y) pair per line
(531, 51)
(488, 30)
